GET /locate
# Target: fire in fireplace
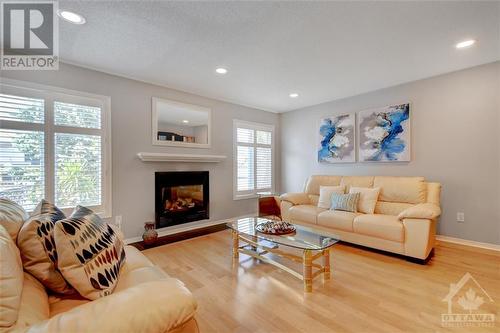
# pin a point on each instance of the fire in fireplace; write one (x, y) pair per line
(181, 197)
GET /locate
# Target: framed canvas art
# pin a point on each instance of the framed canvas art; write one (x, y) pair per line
(337, 139)
(384, 134)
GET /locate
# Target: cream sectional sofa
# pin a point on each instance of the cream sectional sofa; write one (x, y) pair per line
(145, 299)
(404, 221)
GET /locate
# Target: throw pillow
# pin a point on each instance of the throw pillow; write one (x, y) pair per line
(367, 199)
(346, 202)
(12, 217)
(90, 253)
(325, 195)
(38, 249)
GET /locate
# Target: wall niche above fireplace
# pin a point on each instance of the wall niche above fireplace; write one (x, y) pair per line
(181, 197)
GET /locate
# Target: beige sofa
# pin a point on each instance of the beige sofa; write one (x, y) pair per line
(145, 299)
(404, 221)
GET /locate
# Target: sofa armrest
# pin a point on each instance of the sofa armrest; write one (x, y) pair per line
(296, 198)
(156, 306)
(428, 211)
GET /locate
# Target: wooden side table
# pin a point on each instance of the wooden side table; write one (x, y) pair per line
(269, 205)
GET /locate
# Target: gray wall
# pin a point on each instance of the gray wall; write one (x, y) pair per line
(455, 140)
(133, 180)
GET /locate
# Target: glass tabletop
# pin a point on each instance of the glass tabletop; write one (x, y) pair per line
(303, 238)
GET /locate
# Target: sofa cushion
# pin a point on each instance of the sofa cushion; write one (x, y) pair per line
(34, 306)
(11, 279)
(90, 253)
(382, 226)
(337, 219)
(12, 217)
(325, 195)
(367, 198)
(391, 208)
(38, 249)
(305, 213)
(401, 189)
(62, 303)
(314, 182)
(357, 181)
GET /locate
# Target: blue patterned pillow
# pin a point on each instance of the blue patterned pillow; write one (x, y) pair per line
(346, 202)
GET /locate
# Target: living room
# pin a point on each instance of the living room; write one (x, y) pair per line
(250, 166)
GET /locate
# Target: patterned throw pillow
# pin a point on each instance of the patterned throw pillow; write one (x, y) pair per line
(38, 249)
(90, 253)
(345, 202)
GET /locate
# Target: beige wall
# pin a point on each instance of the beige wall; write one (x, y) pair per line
(133, 180)
(455, 140)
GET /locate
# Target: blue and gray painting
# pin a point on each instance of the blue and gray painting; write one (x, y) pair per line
(384, 134)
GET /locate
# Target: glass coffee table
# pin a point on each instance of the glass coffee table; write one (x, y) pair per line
(314, 244)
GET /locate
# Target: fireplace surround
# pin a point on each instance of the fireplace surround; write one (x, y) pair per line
(181, 197)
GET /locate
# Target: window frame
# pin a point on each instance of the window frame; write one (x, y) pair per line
(51, 94)
(249, 194)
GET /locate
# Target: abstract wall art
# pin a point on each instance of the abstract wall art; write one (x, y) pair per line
(337, 135)
(384, 134)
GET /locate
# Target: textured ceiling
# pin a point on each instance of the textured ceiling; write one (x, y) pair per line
(322, 50)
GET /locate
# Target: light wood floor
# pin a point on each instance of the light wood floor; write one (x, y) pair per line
(368, 292)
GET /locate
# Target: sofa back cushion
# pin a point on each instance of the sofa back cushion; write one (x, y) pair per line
(390, 208)
(12, 217)
(90, 253)
(356, 181)
(434, 193)
(38, 249)
(11, 279)
(410, 190)
(314, 182)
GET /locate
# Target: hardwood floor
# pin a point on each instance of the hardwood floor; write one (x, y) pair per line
(368, 291)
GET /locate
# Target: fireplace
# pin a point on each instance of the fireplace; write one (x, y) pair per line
(181, 197)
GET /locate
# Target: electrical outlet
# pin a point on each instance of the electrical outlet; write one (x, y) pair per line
(118, 221)
(460, 217)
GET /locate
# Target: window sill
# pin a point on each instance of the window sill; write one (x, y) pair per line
(245, 196)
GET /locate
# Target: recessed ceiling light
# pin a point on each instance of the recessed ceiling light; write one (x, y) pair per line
(71, 17)
(294, 95)
(221, 70)
(465, 43)
(185, 121)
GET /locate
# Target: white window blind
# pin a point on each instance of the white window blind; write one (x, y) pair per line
(54, 145)
(253, 150)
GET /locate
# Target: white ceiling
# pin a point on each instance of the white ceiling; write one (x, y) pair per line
(322, 50)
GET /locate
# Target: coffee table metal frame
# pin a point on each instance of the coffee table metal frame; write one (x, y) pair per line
(310, 269)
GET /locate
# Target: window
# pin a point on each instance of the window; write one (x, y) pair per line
(54, 144)
(254, 157)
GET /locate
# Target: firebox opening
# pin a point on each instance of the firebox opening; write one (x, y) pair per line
(181, 197)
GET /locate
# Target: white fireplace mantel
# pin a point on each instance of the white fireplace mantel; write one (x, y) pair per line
(193, 158)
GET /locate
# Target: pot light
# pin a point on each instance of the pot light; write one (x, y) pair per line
(465, 43)
(71, 17)
(221, 70)
(293, 95)
(185, 121)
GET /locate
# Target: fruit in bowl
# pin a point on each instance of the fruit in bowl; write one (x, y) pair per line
(275, 227)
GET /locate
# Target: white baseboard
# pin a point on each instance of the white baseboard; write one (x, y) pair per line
(186, 227)
(467, 242)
